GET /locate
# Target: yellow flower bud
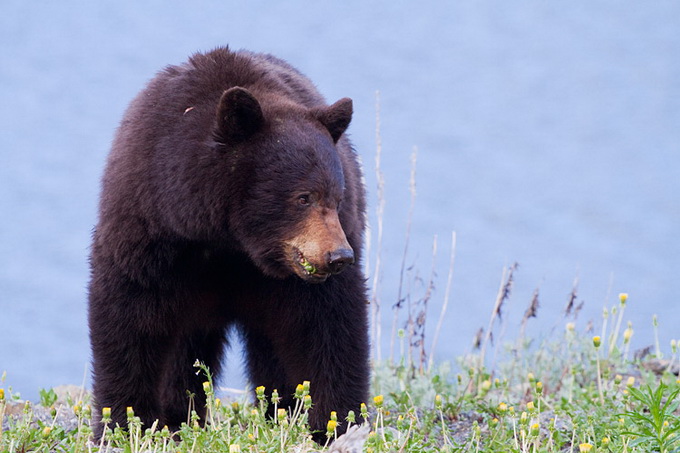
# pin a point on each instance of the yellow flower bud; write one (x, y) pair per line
(570, 327)
(486, 385)
(530, 406)
(631, 381)
(524, 418)
(206, 386)
(535, 429)
(502, 408)
(234, 448)
(259, 391)
(46, 431)
(585, 447)
(330, 427)
(129, 412)
(106, 413)
(617, 379)
(605, 441)
(597, 341)
(627, 334)
(281, 414)
(623, 297)
(378, 401)
(539, 387)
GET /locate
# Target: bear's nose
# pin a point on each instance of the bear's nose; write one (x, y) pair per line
(338, 259)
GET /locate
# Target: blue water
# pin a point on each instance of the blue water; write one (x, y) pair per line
(547, 133)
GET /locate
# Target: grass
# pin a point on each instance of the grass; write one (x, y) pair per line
(570, 392)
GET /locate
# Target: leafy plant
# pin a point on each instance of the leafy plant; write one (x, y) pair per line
(653, 415)
(48, 397)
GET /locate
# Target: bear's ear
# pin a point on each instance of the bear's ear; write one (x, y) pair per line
(239, 115)
(336, 118)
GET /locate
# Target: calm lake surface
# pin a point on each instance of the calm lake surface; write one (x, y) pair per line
(547, 134)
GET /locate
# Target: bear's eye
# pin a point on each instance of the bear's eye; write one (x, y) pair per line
(304, 199)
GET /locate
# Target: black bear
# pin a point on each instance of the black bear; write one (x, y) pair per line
(231, 200)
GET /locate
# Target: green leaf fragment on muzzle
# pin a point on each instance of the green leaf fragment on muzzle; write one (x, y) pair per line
(309, 267)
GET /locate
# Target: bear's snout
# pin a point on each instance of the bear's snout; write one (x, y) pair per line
(321, 248)
(339, 259)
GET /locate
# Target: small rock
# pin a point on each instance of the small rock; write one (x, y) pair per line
(352, 441)
(73, 393)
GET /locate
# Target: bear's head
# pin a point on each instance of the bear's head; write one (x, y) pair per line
(288, 184)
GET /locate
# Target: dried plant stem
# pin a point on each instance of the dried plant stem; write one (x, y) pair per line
(426, 300)
(529, 313)
(503, 293)
(572, 300)
(410, 323)
(380, 210)
(445, 305)
(400, 300)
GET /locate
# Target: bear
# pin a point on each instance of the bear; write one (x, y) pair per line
(232, 202)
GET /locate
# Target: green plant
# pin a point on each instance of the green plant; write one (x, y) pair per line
(655, 424)
(48, 397)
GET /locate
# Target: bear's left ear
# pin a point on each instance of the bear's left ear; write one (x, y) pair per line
(336, 118)
(239, 115)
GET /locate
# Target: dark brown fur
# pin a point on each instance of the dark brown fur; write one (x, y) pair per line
(227, 175)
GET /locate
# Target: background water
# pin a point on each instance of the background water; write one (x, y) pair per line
(547, 133)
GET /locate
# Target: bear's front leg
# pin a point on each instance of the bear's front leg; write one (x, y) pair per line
(182, 387)
(130, 346)
(318, 333)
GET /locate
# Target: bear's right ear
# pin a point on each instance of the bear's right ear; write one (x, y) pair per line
(239, 116)
(336, 117)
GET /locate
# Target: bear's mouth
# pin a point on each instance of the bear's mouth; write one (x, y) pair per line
(306, 270)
